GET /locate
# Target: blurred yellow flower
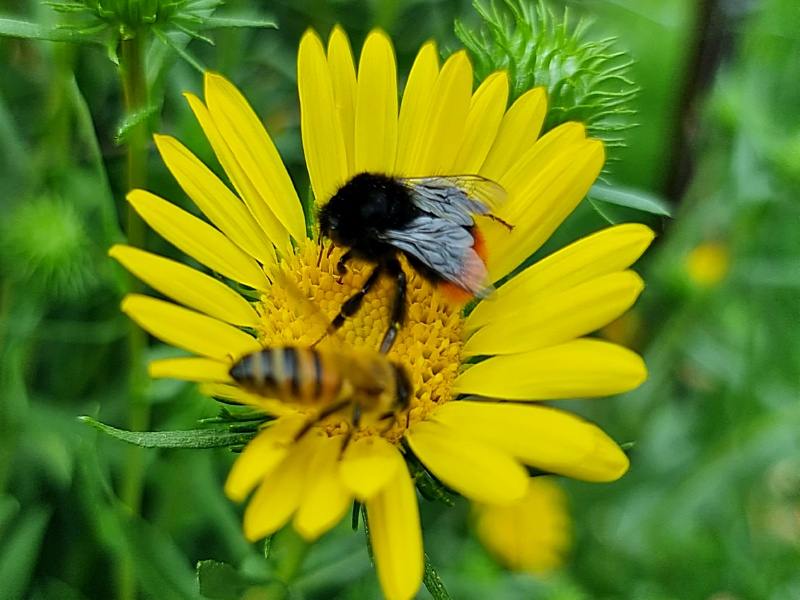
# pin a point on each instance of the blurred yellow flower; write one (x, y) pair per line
(531, 335)
(707, 264)
(533, 534)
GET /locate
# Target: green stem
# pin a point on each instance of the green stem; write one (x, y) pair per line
(292, 553)
(134, 87)
(134, 84)
(7, 435)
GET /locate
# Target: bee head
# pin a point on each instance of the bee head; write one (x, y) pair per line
(328, 220)
(335, 222)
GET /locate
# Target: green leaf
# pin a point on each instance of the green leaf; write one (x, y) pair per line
(161, 566)
(35, 31)
(430, 487)
(433, 583)
(225, 22)
(86, 134)
(220, 581)
(191, 439)
(20, 551)
(179, 49)
(629, 198)
(133, 120)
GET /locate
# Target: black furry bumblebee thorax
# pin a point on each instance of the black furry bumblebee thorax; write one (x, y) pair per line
(364, 207)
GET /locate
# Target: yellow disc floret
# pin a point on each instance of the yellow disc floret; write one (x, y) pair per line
(427, 348)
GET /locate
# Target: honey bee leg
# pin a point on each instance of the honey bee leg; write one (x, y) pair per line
(328, 410)
(352, 304)
(398, 305)
(356, 423)
(390, 414)
(402, 401)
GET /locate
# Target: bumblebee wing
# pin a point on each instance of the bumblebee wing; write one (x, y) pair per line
(456, 198)
(446, 248)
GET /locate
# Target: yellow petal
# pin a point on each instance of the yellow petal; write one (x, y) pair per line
(376, 106)
(520, 180)
(214, 198)
(483, 121)
(606, 251)
(188, 329)
(475, 470)
(343, 77)
(270, 406)
(551, 196)
(531, 535)
(543, 437)
(323, 141)
(190, 369)
(368, 464)
(261, 455)
(518, 132)
(396, 537)
(280, 492)
(187, 286)
(325, 500)
(253, 163)
(447, 118)
(198, 239)
(552, 319)
(414, 110)
(583, 368)
(221, 141)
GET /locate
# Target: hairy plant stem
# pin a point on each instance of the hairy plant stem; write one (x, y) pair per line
(134, 85)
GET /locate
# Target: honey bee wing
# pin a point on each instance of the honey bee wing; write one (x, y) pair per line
(456, 198)
(445, 247)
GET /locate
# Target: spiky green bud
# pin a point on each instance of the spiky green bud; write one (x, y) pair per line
(585, 80)
(44, 246)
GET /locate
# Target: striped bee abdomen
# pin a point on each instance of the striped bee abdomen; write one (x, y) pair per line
(290, 374)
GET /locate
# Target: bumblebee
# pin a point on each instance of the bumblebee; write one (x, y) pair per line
(428, 220)
(359, 379)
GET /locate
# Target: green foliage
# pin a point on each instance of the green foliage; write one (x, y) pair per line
(44, 245)
(108, 22)
(433, 583)
(709, 507)
(604, 197)
(192, 439)
(586, 80)
(220, 581)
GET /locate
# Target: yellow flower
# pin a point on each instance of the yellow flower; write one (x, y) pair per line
(532, 534)
(529, 335)
(707, 264)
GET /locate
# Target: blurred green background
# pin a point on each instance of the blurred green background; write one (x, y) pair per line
(711, 506)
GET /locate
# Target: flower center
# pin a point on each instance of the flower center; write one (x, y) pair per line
(427, 348)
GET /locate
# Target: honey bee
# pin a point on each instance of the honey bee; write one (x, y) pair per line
(335, 379)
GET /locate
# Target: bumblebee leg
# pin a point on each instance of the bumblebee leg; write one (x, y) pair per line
(398, 305)
(497, 219)
(353, 303)
(341, 266)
